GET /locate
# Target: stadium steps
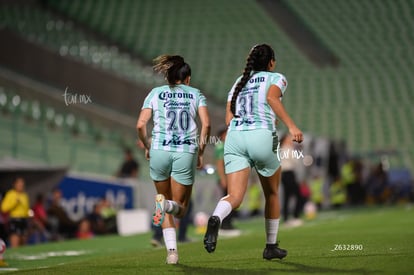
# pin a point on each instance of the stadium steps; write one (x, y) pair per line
(65, 38)
(34, 131)
(205, 37)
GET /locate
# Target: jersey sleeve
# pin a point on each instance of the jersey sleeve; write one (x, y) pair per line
(202, 101)
(148, 101)
(280, 81)
(230, 95)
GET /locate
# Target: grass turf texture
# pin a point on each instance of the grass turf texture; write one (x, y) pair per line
(386, 234)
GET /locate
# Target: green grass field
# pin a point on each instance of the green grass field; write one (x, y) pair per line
(383, 235)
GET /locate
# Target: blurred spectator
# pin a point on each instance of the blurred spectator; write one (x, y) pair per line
(3, 222)
(108, 213)
(254, 193)
(289, 181)
(62, 226)
(351, 177)
(337, 193)
(130, 167)
(359, 192)
(333, 161)
(316, 189)
(107, 210)
(3, 229)
(40, 221)
(16, 204)
(84, 230)
(96, 220)
(377, 189)
(400, 183)
(304, 194)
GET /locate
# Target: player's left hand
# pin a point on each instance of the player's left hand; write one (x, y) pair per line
(296, 134)
(200, 161)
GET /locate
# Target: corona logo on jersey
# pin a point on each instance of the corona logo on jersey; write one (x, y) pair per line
(173, 95)
(257, 79)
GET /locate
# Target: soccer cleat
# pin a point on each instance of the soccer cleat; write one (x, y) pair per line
(172, 256)
(159, 213)
(210, 239)
(273, 251)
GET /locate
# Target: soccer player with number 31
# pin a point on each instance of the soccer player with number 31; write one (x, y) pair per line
(253, 105)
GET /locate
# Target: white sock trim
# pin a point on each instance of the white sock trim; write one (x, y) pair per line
(170, 238)
(172, 207)
(271, 228)
(223, 209)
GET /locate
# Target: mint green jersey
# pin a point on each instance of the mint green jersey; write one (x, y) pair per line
(251, 104)
(174, 111)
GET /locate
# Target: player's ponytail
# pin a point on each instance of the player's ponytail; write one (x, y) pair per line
(258, 60)
(173, 67)
(242, 82)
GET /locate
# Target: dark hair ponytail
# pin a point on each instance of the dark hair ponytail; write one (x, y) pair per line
(257, 60)
(173, 67)
(242, 82)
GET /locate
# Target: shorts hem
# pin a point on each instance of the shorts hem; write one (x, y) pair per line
(269, 172)
(233, 170)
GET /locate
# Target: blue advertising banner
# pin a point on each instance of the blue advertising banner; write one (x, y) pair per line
(81, 193)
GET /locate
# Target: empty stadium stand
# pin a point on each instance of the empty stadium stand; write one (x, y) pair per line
(365, 100)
